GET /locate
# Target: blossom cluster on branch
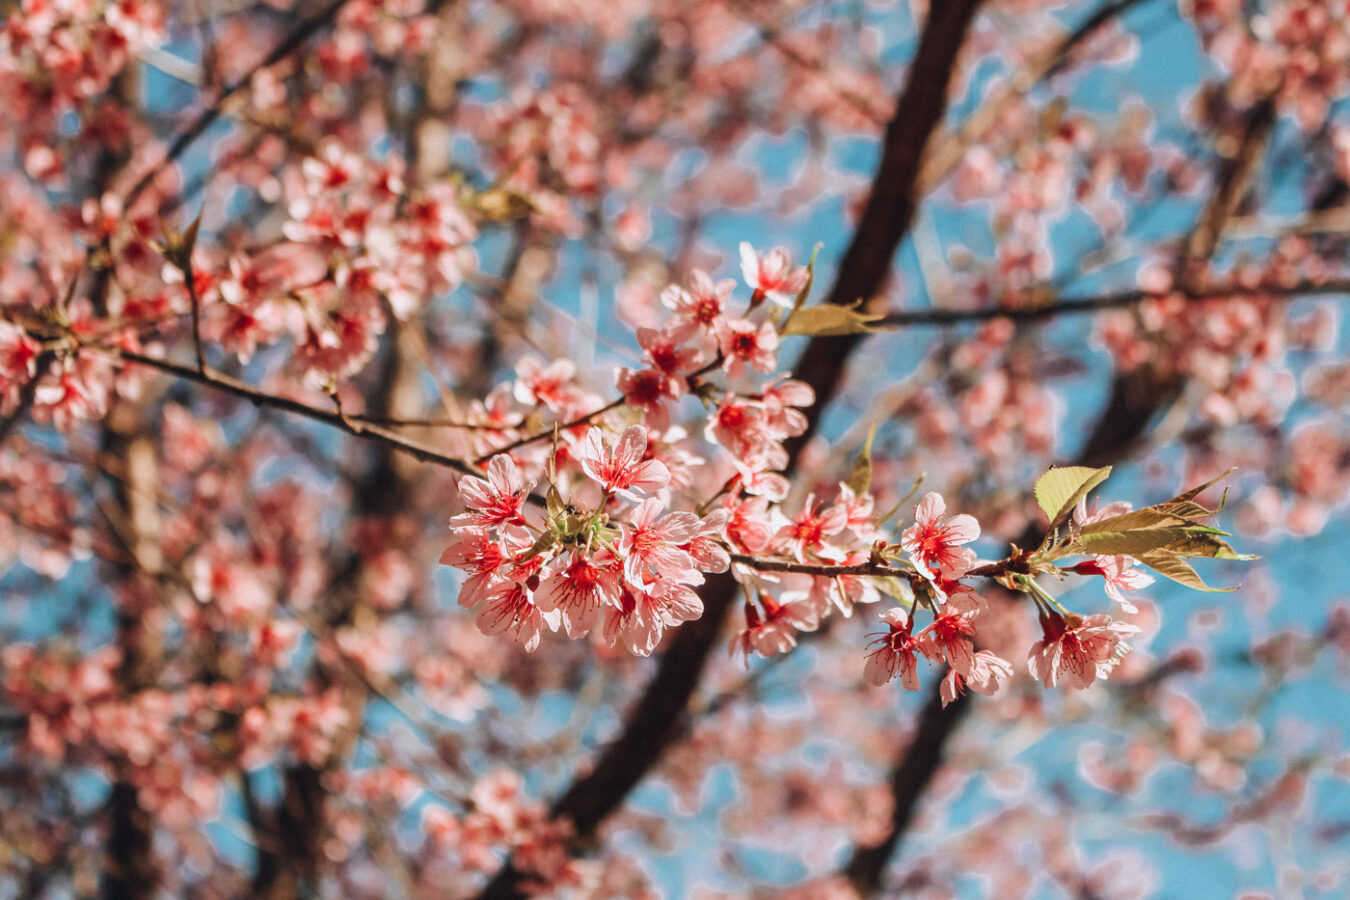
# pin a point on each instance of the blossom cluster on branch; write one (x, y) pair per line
(608, 547)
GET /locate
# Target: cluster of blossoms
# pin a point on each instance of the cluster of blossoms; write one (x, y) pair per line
(584, 561)
(614, 554)
(358, 248)
(547, 147)
(1073, 652)
(602, 547)
(57, 54)
(501, 815)
(1295, 52)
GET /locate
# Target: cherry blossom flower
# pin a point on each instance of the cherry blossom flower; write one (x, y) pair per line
(480, 554)
(651, 391)
(745, 344)
(747, 525)
(771, 276)
(578, 585)
(704, 304)
(668, 351)
(934, 541)
(1077, 651)
(858, 513)
(985, 675)
(1120, 574)
(776, 631)
(805, 536)
(508, 607)
(497, 501)
(949, 637)
(649, 543)
(623, 470)
(707, 545)
(894, 651)
(783, 399)
(550, 386)
(643, 614)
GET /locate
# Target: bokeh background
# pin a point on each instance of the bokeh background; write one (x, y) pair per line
(1127, 240)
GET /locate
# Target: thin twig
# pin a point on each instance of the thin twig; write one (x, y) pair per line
(1074, 306)
(260, 398)
(298, 35)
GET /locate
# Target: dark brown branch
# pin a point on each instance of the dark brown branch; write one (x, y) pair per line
(262, 399)
(1077, 306)
(890, 208)
(869, 569)
(909, 781)
(947, 148)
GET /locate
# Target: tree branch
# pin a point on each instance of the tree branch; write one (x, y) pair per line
(947, 148)
(1077, 306)
(890, 208)
(289, 44)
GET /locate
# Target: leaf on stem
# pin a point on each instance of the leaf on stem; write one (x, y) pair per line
(827, 319)
(860, 479)
(1060, 489)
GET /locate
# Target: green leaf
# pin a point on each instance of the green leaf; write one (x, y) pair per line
(860, 479)
(1059, 489)
(189, 241)
(1132, 543)
(828, 319)
(1196, 492)
(1148, 517)
(897, 589)
(805, 292)
(1177, 569)
(544, 543)
(1208, 544)
(553, 501)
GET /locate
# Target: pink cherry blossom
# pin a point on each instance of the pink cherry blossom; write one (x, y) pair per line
(1119, 574)
(1076, 652)
(497, 501)
(623, 470)
(650, 543)
(704, 304)
(508, 607)
(771, 276)
(894, 651)
(579, 585)
(805, 537)
(651, 391)
(933, 541)
(745, 344)
(985, 675)
(949, 637)
(707, 546)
